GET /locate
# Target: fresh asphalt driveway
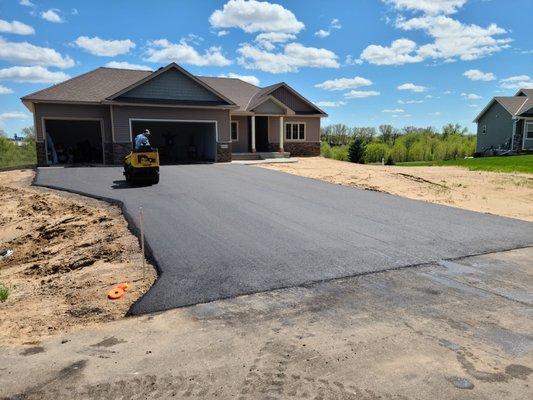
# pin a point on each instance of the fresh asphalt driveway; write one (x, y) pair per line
(220, 230)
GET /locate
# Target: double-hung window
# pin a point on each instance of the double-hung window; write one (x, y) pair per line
(529, 130)
(295, 131)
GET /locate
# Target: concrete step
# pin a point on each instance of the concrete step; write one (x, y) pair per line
(274, 154)
(245, 156)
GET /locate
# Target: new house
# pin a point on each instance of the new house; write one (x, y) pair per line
(506, 123)
(94, 117)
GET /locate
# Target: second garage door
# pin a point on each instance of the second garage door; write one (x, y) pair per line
(180, 141)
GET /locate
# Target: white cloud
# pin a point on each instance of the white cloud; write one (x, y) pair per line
(293, 57)
(447, 92)
(16, 27)
(222, 33)
(477, 75)
(344, 83)
(453, 39)
(410, 101)
(428, 6)
(268, 40)
(473, 105)
(401, 115)
(52, 15)
(13, 115)
(246, 78)
(255, 16)
(26, 3)
(412, 87)
(321, 33)
(29, 54)
(517, 82)
(399, 52)
(350, 60)
(5, 90)
(102, 47)
(394, 110)
(471, 96)
(127, 65)
(360, 94)
(163, 50)
(32, 75)
(335, 23)
(435, 114)
(330, 104)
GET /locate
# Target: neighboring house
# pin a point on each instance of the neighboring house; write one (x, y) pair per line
(17, 140)
(506, 123)
(94, 117)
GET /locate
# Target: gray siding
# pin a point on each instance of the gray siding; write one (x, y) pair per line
(122, 115)
(292, 101)
(499, 128)
(172, 85)
(72, 111)
(269, 107)
(527, 143)
(242, 145)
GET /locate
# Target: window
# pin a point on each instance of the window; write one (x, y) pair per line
(484, 130)
(234, 131)
(529, 130)
(295, 131)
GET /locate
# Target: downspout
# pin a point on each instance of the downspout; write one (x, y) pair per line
(514, 132)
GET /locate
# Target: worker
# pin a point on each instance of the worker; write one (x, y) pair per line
(141, 140)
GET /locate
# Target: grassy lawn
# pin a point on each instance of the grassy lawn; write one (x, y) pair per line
(498, 164)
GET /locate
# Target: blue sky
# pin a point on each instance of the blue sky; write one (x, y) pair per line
(365, 62)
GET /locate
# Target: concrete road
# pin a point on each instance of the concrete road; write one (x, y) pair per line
(218, 231)
(460, 330)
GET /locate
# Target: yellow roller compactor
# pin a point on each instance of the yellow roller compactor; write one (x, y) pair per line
(142, 167)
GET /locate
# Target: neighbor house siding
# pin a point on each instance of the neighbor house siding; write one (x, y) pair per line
(242, 145)
(293, 102)
(72, 111)
(122, 115)
(499, 128)
(172, 85)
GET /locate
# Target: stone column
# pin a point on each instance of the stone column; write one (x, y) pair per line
(253, 134)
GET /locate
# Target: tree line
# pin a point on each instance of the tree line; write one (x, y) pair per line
(392, 145)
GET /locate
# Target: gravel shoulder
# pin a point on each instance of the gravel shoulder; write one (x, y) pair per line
(68, 252)
(487, 192)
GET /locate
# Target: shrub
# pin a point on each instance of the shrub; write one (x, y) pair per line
(375, 152)
(325, 149)
(356, 151)
(4, 292)
(389, 160)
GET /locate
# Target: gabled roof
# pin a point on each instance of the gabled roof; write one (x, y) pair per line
(514, 105)
(162, 71)
(105, 85)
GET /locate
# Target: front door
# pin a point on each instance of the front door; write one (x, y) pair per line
(261, 134)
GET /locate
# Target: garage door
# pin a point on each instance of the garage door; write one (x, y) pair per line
(74, 141)
(180, 141)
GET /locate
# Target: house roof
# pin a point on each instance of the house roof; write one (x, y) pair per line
(515, 105)
(104, 84)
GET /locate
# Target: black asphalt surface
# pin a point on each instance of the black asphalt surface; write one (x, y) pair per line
(220, 230)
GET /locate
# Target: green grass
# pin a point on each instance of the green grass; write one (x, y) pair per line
(12, 155)
(497, 164)
(4, 292)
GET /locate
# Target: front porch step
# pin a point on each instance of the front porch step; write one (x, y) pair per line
(259, 155)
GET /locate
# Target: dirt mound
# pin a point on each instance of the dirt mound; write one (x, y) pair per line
(68, 251)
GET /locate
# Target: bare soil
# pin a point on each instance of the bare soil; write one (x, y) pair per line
(68, 252)
(506, 194)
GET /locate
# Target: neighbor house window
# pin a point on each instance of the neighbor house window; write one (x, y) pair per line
(529, 130)
(234, 131)
(484, 129)
(295, 131)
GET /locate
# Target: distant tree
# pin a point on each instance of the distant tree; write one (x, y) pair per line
(364, 132)
(3, 133)
(29, 133)
(356, 151)
(454, 129)
(387, 134)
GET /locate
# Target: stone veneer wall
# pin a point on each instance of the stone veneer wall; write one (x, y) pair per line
(224, 152)
(120, 150)
(41, 154)
(298, 149)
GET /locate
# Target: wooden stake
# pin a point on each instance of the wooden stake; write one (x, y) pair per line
(141, 219)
